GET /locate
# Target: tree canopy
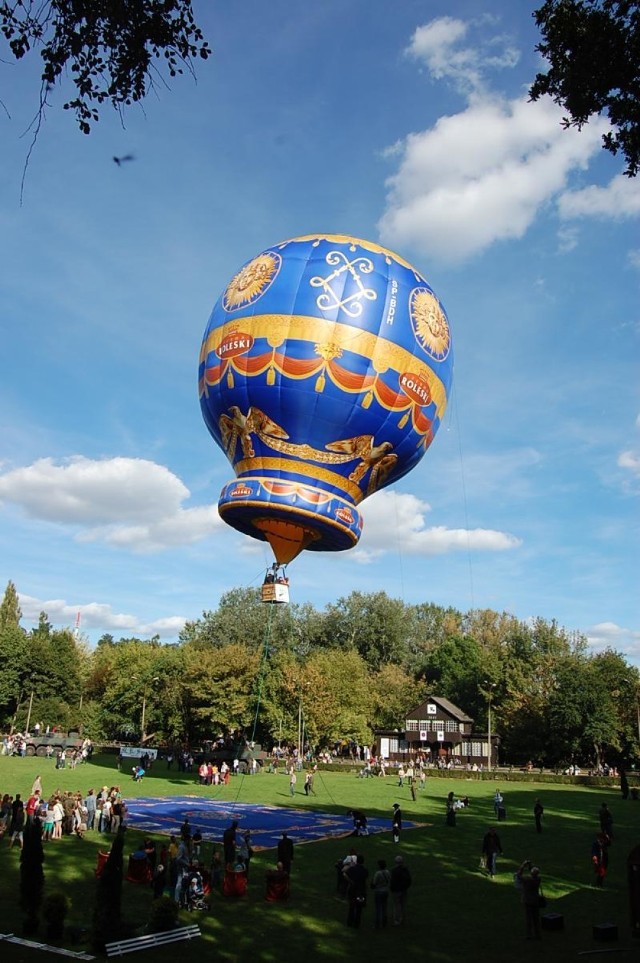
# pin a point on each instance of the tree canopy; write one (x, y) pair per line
(339, 674)
(113, 51)
(593, 51)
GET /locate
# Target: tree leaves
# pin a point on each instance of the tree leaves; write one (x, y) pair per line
(593, 51)
(114, 51)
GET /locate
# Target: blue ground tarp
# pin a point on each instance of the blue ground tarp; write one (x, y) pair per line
(267, 823)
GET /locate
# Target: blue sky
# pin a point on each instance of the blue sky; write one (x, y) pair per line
(406, 124)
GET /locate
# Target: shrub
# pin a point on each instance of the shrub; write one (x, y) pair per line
(54, 910)
(164, 915)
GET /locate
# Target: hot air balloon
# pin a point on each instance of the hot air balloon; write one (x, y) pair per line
(324, 374)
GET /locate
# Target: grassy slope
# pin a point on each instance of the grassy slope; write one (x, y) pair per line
(456, 913)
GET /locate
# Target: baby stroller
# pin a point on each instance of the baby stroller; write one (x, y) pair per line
(195, 897)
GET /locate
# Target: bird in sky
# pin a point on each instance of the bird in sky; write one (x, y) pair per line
(120, 160)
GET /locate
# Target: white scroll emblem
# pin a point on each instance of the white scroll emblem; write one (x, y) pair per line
(351, 305)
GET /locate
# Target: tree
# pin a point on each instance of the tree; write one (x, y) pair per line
(336, 698)
(240, 618)
(12, 653)
(114, 51)
(108, 904)
(31, 874)
(593, 50)
(429, 625)
(371, 623)
(456, 669)
(219, 689)
(10, 612)
(393, 692)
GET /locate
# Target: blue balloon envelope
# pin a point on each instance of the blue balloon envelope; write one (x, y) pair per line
(324, 374)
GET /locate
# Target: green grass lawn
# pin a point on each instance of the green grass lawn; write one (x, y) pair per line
(455, 912)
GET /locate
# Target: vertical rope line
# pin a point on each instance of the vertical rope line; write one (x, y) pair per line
(464, 497)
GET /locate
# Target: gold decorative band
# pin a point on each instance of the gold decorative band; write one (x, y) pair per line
(312, 472)
(353, 242)
(382, 354)
(313, 516)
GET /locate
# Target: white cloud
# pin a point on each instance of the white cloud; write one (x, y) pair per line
(619, 199)
(567, 239)
(634, 258)
(437, 45)
(185, 527)
(98, 616)
(395, 521)
(607, 635)
(128, 502)
(481, 176)
(81, 491)
(630, 460)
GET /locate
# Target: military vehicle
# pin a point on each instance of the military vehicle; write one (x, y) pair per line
(37, 744)
(240, 750)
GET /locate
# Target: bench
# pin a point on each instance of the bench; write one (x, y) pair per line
(152, 939)
(30, 944)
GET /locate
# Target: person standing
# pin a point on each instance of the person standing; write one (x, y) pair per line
(538, 812)
(341, 879)
(90, 803)
(16, 828)
(32, 807)
(356, 875)
(285, 852)
(116, 815)
(396, 822)
(380, 886)
(229, 843)
(600, 858)
(498, 800)
(399, 884)
(530, 890)
(181, 866)
(491, 847)
(292, 782)
(450, 818)
(58, 816)
(606, 821)
(624, 784)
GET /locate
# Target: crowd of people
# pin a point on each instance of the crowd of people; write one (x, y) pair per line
(62, 813)
(21, 744)
(353, 884)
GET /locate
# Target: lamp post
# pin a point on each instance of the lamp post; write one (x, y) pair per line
(143, 733)
(29, 712)
(303, 687)
(490, 687)
(636, 688)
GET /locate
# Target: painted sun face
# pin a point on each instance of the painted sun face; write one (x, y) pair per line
(430, 324)
(252, 281)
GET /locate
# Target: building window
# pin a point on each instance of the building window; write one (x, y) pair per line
(451, 725)
(412, 725)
